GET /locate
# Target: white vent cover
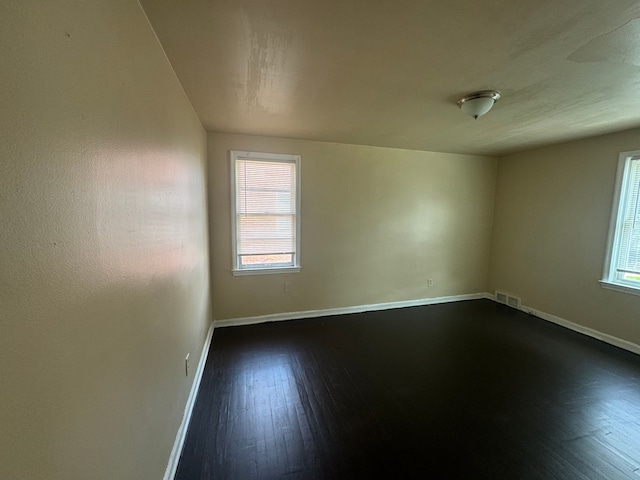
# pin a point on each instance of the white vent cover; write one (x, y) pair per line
(506, 299)
(513, 302)
(501, 297)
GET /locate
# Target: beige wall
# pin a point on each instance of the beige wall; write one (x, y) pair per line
(551, 226)
(376, 224)
(103, 248)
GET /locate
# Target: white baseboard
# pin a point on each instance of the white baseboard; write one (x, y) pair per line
(176, 451)
(277, 317)
(604, 337)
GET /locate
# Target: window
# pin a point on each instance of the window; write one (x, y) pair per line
(622, 269)
(265, 190)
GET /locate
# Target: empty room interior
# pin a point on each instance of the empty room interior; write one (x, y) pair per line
(295, 239)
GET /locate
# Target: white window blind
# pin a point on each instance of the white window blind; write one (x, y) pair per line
(628, 258)
(622, 270)
(266, 210)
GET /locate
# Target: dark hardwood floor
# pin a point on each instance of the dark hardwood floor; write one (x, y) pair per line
(467, 390)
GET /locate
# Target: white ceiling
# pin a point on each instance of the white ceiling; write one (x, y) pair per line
(388, 73)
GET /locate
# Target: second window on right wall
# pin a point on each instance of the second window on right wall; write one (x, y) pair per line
(622, 266)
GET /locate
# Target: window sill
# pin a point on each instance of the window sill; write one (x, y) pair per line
(265, 271)
(618, 287)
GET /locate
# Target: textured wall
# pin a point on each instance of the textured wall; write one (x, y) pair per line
(103, 245)
(376, 224)
(551, 225)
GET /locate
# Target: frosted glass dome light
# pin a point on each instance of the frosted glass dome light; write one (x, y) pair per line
(477, 104)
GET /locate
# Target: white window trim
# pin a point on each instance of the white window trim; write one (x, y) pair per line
(618, 287)
(258, 156)
(609, 280)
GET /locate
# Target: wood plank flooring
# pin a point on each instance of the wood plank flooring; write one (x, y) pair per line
(467, 390)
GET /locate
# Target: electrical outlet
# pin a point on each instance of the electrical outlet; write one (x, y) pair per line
(287, 287)
(186, 365)
(430, 282)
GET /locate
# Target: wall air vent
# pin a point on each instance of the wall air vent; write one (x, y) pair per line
(509, 300)
(513, 302)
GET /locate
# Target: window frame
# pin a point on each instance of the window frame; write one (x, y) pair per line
(236, 269)
(620, 198)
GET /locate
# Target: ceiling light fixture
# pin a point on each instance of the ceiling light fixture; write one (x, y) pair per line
(478, 103)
